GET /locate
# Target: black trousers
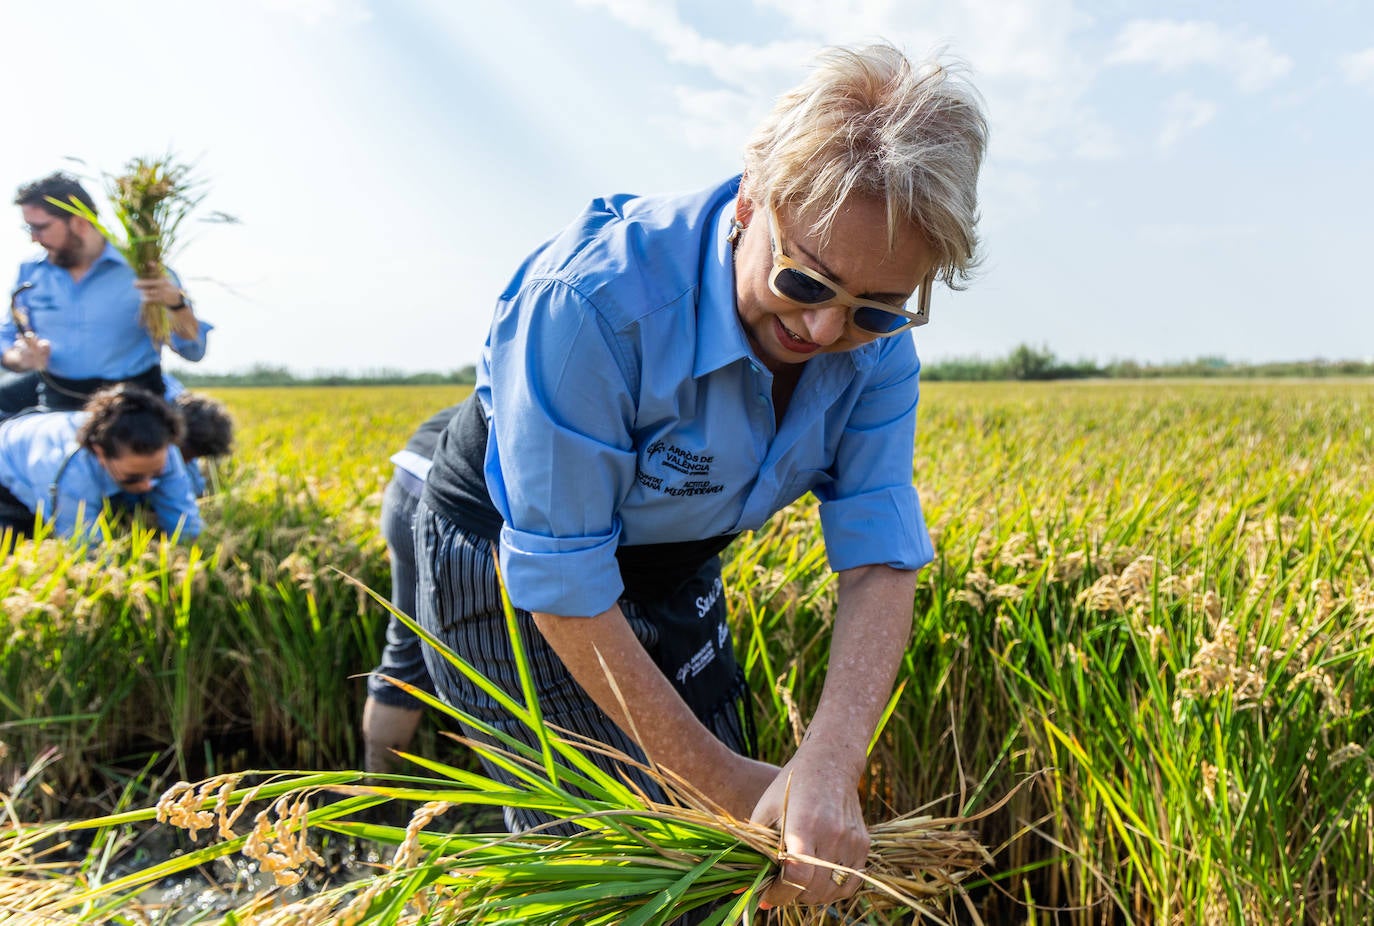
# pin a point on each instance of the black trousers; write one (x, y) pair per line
(60, 394)
(15, 516)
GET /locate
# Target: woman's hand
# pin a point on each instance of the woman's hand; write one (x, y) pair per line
(815, 800)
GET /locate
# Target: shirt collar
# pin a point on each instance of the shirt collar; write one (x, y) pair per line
(720, 338)
(110, 253)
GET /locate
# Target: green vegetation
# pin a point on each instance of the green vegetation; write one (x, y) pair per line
(262, 375)
(1040, 363)
(1024, 363)
(1150, 622)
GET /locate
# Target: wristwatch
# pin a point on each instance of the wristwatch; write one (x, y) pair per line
(183, 304)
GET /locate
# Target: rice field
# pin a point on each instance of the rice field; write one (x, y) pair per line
(1143, 651)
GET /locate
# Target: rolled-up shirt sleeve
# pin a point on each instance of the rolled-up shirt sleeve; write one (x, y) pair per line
(870, 511)
(192, 349)
(562, 460)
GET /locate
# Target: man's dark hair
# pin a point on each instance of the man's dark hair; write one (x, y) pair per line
(209, 429)
(61, 187)
(125, 419)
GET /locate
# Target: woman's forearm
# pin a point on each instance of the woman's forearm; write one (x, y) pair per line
(612, 666)
(870, 636)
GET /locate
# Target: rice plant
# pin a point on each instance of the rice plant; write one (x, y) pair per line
(1150, 622)
(632, 860)
(150, 199)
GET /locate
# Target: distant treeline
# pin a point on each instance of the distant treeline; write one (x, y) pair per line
(1023, 363)
(1031, 363)
(262, 375)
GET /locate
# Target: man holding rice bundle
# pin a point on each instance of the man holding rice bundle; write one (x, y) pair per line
(669, 371)
(74, 319)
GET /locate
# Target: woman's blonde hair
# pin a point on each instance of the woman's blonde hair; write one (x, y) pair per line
(868, 122)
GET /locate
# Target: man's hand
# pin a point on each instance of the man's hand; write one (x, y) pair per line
(162, 291)
(29, 352)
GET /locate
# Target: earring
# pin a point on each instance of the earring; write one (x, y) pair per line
(736, 228)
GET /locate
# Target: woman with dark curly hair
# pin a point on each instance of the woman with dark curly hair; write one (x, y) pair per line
(60, 467)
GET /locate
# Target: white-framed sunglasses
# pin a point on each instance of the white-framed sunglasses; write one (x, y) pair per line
(801, 285)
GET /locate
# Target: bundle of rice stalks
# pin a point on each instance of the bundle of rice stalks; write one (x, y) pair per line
(150, 200)
(611, 855)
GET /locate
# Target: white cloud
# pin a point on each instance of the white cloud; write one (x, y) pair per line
(736, 65)
(1023, 56)
(1359, 68)
(1184, 113)
(713, 120)
(1171, 46)
(314, 12)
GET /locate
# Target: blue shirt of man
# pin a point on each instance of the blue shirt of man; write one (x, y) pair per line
(635, 302)
(40, 451)
(92, 322)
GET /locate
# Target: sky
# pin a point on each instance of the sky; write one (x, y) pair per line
(1165, 180)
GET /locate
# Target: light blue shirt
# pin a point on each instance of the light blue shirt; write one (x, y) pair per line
(628, 408)
(92, 324)
(33, 450)
(196, 477)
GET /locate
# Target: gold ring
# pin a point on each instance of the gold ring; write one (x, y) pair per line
(839, 877)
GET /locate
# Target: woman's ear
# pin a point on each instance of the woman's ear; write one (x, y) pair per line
(744, 209)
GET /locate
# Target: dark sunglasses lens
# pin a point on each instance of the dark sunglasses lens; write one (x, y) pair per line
(877, 321)
(799, 287)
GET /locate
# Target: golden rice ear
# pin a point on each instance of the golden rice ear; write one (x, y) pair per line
(153, 319)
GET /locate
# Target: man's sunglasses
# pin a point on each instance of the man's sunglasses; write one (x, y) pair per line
(803, 286)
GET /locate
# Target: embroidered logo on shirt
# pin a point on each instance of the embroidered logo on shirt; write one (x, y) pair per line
(696, 487)
(682, 461)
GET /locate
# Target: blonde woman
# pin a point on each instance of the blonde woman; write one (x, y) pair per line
(669, 371)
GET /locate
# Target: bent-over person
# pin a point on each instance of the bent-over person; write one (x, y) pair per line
(61, 467)
(669, 371)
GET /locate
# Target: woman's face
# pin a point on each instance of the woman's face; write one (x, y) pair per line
(133, 472)
(856, 256)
